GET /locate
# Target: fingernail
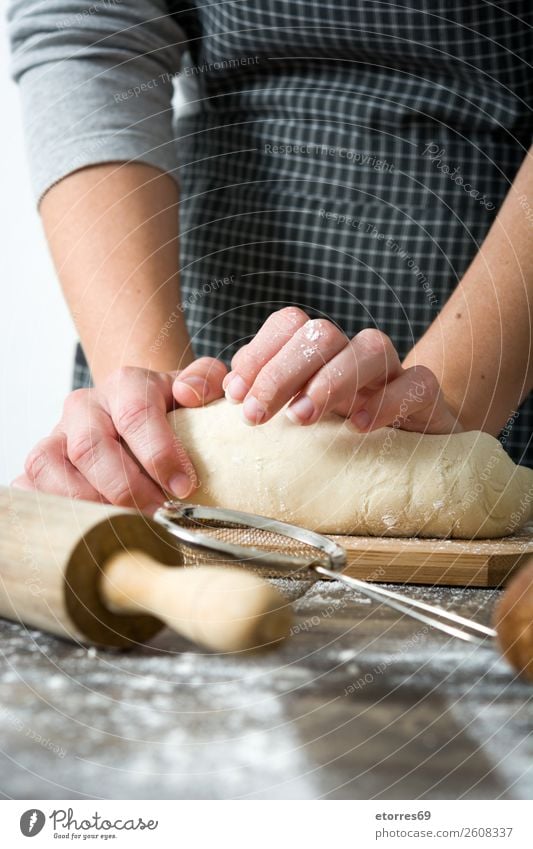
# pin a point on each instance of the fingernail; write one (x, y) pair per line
(198, 385)
(301, 410)
(236, 389)
(253, 411)
(180, 485)
(361, 420)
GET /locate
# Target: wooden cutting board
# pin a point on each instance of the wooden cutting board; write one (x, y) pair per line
(461, 563)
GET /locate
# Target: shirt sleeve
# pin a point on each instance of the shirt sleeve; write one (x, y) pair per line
(96, 83)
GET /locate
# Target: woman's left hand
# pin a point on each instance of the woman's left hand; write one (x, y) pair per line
(314, 366)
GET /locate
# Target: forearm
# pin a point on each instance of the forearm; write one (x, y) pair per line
(480, 345)
(113, 233)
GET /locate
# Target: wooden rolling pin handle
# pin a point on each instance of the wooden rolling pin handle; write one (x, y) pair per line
(513, 620)
(220, 608)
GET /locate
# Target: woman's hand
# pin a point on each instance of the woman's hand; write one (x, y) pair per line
(114, 444)
(313, 363)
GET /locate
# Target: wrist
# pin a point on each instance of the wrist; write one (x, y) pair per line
(163, 346)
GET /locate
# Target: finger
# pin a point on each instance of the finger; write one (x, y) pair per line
(413, 401)
(23, 482)
(277, 330)
(48, 469)
(200, 383)
(93, 447)
(368, 360)
(138, 403)
(313, 345)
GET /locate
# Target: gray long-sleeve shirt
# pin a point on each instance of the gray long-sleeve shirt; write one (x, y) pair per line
(96, 82)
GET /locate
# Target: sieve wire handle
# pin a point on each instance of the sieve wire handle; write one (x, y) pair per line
(470, 631)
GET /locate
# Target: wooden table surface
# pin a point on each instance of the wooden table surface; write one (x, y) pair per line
(358, 704)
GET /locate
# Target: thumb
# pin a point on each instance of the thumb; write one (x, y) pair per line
(200, 383)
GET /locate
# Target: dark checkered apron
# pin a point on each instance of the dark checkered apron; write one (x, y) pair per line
(348, 157)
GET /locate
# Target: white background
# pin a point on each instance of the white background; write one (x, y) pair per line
(37, 337)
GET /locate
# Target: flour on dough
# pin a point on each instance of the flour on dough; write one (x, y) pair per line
(329, 478)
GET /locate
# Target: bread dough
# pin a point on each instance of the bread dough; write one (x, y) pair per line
(330, 478)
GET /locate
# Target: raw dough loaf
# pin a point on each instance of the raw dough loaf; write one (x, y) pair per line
(329, 478)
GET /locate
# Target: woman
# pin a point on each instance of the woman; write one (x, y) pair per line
(353, 188)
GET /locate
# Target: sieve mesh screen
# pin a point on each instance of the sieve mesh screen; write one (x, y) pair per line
(255, 539)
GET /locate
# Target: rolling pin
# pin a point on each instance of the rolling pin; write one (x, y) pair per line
(104, 576)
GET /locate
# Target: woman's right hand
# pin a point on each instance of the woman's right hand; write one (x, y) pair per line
(113, 443)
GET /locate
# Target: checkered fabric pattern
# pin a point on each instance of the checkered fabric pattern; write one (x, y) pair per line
(348, 157)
